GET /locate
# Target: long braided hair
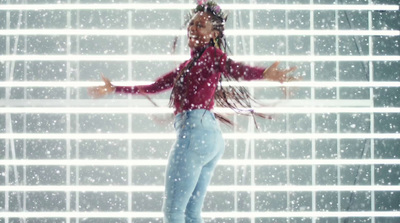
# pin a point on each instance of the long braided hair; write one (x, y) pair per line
(235, 97)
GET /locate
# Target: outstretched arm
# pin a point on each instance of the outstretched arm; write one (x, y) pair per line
(161, 84)
(242, 71)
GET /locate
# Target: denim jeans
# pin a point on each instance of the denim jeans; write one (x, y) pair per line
(192, 160)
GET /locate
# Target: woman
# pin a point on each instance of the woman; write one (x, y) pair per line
(199, 143)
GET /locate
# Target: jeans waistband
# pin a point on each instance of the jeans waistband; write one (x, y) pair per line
(195, 113)
(197, 117)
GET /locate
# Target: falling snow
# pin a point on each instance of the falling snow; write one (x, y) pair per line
(95, 161)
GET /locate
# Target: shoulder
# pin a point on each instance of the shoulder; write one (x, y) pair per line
(182, 65)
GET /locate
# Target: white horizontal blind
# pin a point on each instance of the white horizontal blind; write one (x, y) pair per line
(329, 153)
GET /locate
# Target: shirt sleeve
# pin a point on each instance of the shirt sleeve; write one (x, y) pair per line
(238, 70)
(162, 83)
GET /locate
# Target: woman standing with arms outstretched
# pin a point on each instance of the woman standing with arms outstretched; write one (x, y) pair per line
(195, 87)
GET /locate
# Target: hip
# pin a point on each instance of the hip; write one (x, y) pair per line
(196, 120)
(198, 131)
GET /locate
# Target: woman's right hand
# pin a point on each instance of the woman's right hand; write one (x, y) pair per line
(101, 91)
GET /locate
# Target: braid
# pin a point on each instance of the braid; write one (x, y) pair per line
(237, 98)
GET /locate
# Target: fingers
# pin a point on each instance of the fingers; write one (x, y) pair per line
(282, 78)
(108, 86)
(292, 69)
(100, 91)
(94, 92)
(285, 78)
(274, 65)
(291, 78)
(289, 70)
(106, 80)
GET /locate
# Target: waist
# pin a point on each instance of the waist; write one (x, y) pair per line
(193, 105)
(195, 113)
(197, 118)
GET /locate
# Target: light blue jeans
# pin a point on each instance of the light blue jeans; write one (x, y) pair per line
(192, 160)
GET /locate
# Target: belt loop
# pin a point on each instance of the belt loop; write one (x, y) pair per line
(184, 118)
(201, 120)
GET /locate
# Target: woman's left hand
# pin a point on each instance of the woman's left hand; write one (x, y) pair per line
(275, 74)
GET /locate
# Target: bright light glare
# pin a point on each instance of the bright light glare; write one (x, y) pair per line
(166, 110)
(179, 58)
(220, 188)
(223, 162)
(171, 136)
(168, 32)
(158, 6)
(335, 106)
(233, 214)
(316, 84)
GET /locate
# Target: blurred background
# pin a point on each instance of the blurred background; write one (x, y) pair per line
(329, 152)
